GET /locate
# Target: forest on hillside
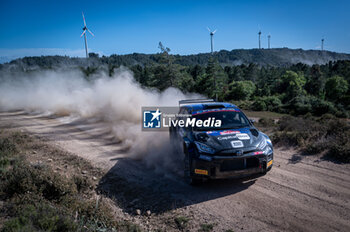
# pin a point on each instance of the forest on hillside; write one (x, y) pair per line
(297, 89)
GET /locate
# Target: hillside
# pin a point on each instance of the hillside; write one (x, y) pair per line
(278, 57)
(273, 57)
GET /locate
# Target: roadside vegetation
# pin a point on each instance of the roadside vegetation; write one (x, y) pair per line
(326, 135)
(36, 196)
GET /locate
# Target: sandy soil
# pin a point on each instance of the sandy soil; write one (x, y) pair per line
(300, 193)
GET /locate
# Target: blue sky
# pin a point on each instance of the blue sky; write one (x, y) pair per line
(121, 27)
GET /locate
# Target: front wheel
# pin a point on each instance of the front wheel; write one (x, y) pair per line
(187, 171)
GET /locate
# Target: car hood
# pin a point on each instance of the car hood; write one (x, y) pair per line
(233, 139)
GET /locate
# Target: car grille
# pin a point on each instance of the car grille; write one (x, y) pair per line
(230, 153)
(239, 164)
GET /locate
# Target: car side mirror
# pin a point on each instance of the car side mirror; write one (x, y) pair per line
(252, 121)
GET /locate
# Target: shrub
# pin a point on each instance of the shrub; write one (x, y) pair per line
(7, 148)
(82, 183)
(326, 134)
(266, 122)
(40, 217)
(206, 227)
(181, 222)
(304, 104)
(270, 103)
(320, 106)
(259, 105)
(37, 179)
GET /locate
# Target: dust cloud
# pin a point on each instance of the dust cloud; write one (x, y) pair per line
(116, 100)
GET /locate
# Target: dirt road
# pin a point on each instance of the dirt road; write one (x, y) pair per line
(300, 193)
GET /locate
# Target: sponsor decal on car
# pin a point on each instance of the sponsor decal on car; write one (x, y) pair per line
(229, 132)
(243, 136)
(236, 143)
(228, 137)
(269, 163)
(201, 171)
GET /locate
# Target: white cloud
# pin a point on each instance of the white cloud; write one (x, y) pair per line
(7, 55)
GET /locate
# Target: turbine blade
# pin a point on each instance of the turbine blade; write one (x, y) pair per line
(84, 19)
(83, 33)
(214, 31)
(90, 32)
(208, 29)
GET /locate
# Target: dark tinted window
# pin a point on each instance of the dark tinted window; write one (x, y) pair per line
(229, 119)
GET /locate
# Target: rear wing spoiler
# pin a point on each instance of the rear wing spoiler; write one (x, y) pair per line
(183, 102)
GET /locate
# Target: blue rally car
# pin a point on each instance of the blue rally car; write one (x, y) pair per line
(235, 148)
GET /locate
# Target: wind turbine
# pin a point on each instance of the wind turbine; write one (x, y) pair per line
(259, 39)
(268, 39)
(322, 42)
(84, 33)
(211, 39)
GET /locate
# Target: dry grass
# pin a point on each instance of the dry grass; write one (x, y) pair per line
(46, 189)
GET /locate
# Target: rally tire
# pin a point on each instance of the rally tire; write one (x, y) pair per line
(187, 171)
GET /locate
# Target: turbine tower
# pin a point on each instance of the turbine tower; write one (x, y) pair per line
(268, 39)
(259, 39)
(322, 42)
(211, 39)
(84, 33)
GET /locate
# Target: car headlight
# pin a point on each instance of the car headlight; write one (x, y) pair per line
(268, 140)
(204, 148)
(267, 150)
(262, 144)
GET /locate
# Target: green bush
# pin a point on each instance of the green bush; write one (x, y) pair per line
(320, 107)
(7, 149)
(37, 179)
(181, 222)
(259, 105)
(244, 105)
(206, 227)
(304, 104)
(268, 103)
(40, 217)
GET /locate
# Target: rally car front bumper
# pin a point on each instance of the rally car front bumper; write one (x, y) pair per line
(219, 167)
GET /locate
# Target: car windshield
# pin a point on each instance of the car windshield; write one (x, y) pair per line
(230, 119)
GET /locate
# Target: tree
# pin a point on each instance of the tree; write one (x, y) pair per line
(240, 90)
(93, 55)
(216, 79)
(293, 84)
(163, 49)
(316, 81)
(166, 73)
(336, 87)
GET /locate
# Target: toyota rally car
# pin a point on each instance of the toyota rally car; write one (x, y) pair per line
(235, 148)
